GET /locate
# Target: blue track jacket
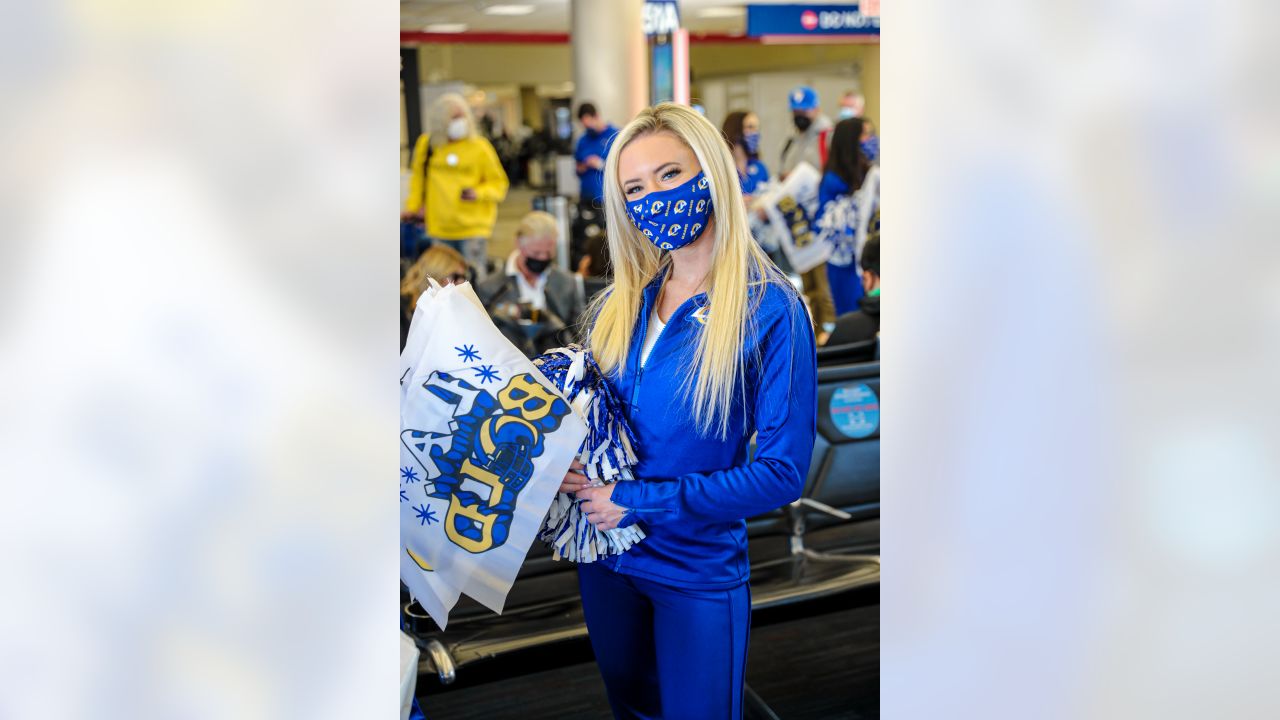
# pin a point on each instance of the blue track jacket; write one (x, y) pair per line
(592, 181)
(694, 493)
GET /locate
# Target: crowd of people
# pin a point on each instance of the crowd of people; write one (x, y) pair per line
(457, 182)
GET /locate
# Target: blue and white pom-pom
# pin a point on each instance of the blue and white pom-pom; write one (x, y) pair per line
(607, 454)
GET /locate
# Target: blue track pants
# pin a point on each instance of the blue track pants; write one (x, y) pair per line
(667, 652)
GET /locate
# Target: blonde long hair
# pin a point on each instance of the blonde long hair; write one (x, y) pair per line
(438, 263)
(438, 118)
(737, 264)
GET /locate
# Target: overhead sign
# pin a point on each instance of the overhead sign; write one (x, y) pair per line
(661, 17)
(809, 20)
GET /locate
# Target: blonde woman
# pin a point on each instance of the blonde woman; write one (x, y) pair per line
(440, 263)
(457, 181)
(707, 343)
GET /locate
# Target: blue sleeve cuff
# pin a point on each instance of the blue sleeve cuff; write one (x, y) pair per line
(635, 497)
(622, 495)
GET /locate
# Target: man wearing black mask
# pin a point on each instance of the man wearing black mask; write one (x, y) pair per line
(533, 301)
(808, 143)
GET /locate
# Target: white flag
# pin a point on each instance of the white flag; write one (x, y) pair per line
(485, 441)
(790, 206)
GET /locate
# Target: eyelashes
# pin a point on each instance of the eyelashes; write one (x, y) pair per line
(632, 190)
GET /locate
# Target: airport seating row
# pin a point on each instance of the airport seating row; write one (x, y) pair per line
(826, 542)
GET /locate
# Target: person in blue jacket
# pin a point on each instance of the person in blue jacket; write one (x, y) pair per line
(706, 343)
(839, 214)
(592, 148)
(742, 129)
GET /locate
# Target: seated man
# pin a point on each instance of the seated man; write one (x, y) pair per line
(533, 301)
(863, 323)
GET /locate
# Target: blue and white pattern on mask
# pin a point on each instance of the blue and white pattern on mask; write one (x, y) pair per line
(673, 218)
(871, 148)
(751, 141)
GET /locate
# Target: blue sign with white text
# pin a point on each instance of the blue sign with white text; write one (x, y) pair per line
(809, 20)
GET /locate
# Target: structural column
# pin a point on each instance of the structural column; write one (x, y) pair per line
(610, 61)
(410, 97)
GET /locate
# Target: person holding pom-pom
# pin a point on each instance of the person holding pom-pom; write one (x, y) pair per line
(705, 343)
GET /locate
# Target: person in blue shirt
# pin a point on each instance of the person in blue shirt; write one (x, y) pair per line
(742, 129)
(592, 148)
(707, 344)
(840, 213)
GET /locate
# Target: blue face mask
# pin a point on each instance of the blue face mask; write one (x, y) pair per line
(871, 148)
(751, 141)
(673, 218)
(846, 113)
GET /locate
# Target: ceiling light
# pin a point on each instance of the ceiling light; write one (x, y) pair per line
(446, 27)
(721, 12)
(508, 10)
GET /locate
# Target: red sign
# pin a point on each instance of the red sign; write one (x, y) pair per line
(809, 19)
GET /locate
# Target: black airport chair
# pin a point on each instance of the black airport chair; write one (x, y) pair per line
(825, 543)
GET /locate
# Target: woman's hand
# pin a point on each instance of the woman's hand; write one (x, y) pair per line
(599, 509)
(468, 193)
(574, 480)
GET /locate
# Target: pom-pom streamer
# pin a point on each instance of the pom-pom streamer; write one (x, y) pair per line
(607, 455)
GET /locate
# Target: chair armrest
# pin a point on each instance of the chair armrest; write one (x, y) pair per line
(437, 658)
(811, 504)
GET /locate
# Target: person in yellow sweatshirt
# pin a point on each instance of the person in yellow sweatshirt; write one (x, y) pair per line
(456, 181)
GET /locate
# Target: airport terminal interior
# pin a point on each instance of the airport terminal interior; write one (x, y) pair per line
(545, 82)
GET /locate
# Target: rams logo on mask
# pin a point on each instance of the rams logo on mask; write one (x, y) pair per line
(673, 218)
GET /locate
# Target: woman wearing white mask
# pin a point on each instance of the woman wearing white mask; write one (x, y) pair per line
(457, 181)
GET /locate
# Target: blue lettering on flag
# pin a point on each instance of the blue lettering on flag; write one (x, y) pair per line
(486, 459)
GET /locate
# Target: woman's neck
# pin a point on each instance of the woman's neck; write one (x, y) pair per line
(691, 264)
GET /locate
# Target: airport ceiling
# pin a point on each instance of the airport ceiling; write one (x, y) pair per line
(698, 16)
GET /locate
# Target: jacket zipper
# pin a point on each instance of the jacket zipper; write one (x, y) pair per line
(635, 352)
(638, 349)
